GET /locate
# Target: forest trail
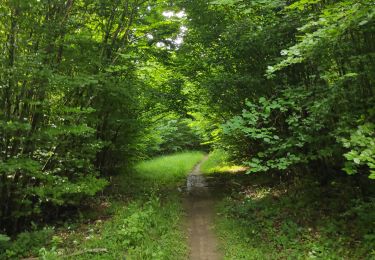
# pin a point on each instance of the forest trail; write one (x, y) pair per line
(199, 206)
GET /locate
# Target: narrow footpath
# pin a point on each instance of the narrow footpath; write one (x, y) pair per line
(199, 206)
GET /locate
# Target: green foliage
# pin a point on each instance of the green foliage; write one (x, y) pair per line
(282, 133)
(143, 223)
(141, 229)
(287, 82)
(271, 147)
(362, 145)
(167, 170)
(216, 159)
(134, 219)
(219, 162)
(177, 135)
(80, 82)
(46, 254)
(170, 135)
(268, 221)
(4, 242)
(327, 27)
(90, 87)
(25, 244)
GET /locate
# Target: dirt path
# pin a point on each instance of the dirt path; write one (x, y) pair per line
(199, 205)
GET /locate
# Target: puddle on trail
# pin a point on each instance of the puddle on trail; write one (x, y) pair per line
(196, 185)
(199, 185)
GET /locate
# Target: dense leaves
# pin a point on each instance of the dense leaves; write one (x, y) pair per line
(290, 83)
(79, 82)
(90, 86)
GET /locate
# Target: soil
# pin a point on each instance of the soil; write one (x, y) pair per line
(199, 205)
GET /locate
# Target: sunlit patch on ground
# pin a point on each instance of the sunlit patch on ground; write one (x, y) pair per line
(218, 162)
(230, 169)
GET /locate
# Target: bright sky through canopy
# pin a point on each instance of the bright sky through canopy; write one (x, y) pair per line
(183, 29)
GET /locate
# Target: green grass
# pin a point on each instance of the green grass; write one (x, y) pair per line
(150, 225)
(149, 229)
(160, 175)
(279, 221)
(168, 170)
(139, 218)
(218, 162)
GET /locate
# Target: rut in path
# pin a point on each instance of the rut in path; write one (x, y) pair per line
(199, 206)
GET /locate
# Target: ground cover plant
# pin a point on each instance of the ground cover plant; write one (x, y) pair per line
(262, 217)
(137, 229)
(135, 220)
(279, 221)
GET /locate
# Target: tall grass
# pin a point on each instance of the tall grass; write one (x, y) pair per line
(148, 227)
(158, 174)
(139, 221)
(137, 230)
(219, 162)
(166, 170)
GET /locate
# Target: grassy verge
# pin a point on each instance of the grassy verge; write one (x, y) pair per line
(264, 218)
(299, 221)
(218, 162)
(168, 170)
(134, 221)
(161, 175)
(140, 229)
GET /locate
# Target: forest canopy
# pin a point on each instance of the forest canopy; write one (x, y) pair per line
(83, 85)
(87, 87)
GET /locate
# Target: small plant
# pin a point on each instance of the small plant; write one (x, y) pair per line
(362, 149)
(46, 254)
(26, 243)
(4, 243)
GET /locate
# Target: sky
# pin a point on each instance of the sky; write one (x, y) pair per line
(180, 37)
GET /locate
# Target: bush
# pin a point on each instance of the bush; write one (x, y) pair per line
(26, 244)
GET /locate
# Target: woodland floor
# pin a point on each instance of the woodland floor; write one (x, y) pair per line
(193, 206)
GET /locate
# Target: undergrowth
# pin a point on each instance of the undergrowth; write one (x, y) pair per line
(133, 220)
(218, 162)
(265, 217)
(300, 221)
(148, 229)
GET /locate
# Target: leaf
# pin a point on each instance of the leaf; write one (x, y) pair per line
(225, 2)
(4, 238)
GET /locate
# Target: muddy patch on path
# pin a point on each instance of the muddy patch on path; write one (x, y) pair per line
(199, 205)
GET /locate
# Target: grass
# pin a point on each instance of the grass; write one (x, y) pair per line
(263, 217)
(218, 162)
(168, 170)
(302, 221)
(139, 218)
(149, 229)
(160, 175)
